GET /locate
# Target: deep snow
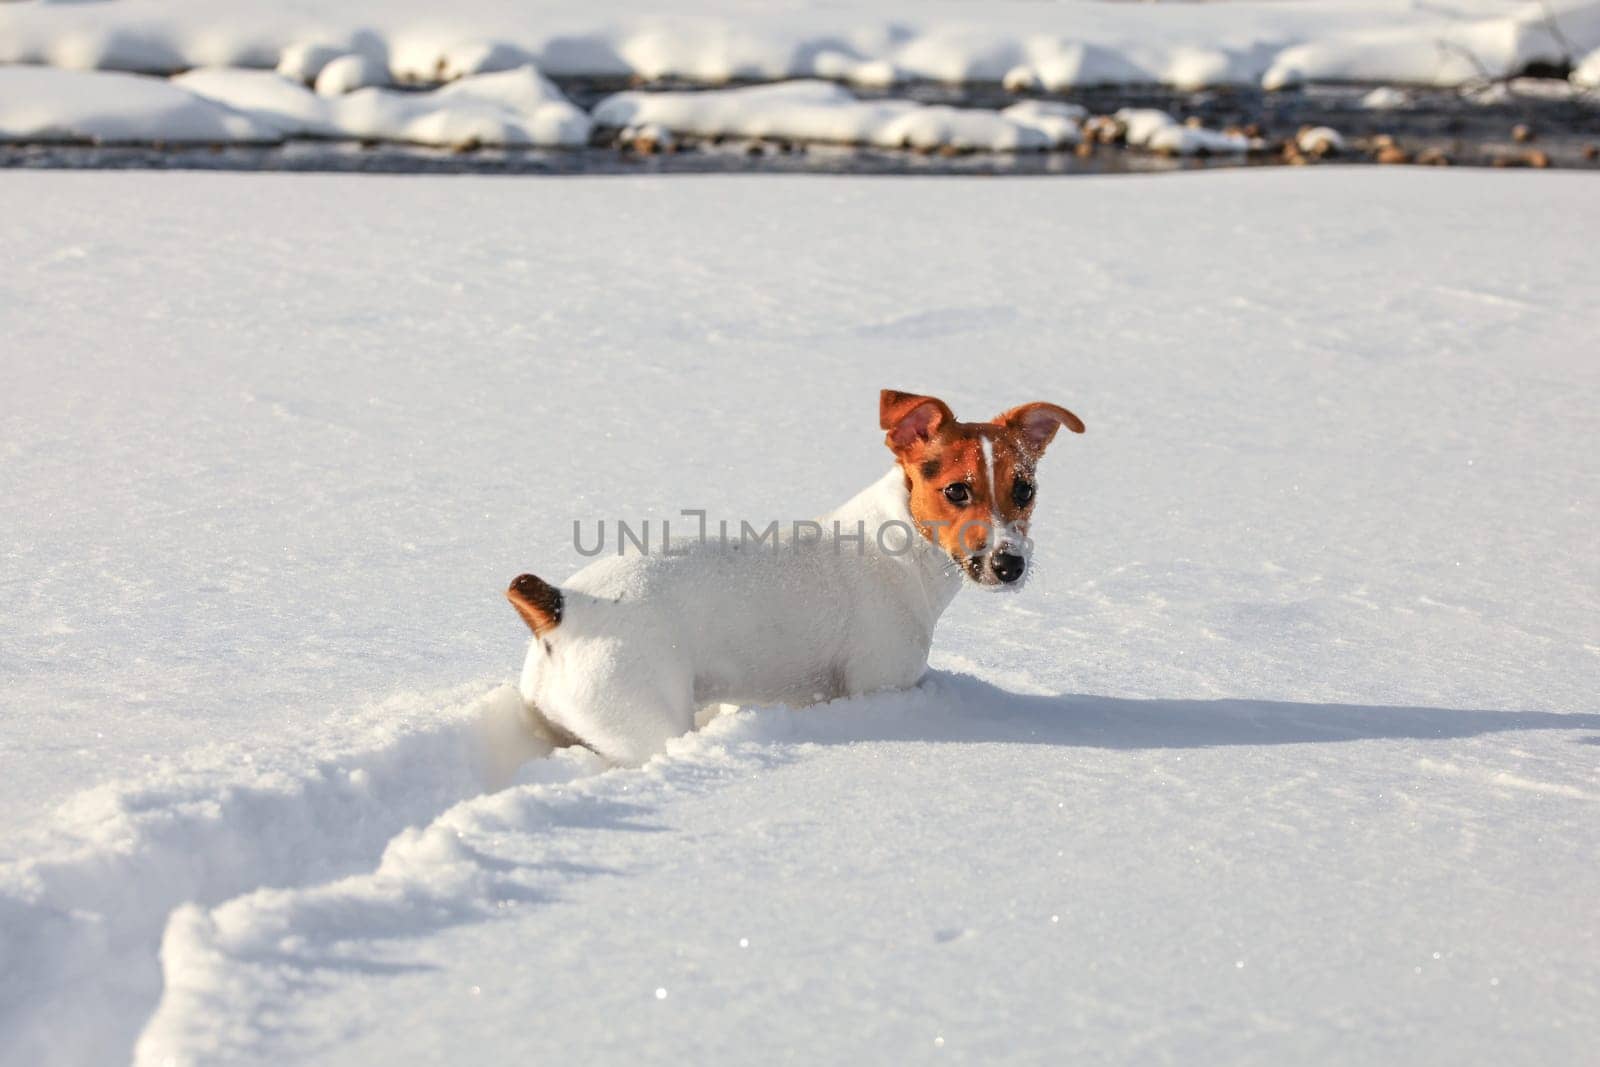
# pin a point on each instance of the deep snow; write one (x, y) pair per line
(1287, 752)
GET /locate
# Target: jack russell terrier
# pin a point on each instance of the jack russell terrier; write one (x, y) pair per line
(631, 647)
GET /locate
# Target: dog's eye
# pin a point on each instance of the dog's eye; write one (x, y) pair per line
(1021, 492)
(957, 493)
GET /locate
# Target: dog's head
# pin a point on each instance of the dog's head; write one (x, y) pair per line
(972, 483)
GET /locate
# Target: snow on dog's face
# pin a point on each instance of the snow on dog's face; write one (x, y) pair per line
(971, 483)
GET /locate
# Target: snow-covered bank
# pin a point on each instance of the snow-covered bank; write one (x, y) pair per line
(1051, 46)
(512, 107)
(40, 104)
(520, 108)
(230, 105)
(822, 111)
(221, 74)
(1305, 679)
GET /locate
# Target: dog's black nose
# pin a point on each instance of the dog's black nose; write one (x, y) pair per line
(1007, 568)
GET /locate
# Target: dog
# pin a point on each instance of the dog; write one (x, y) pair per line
(629, 649)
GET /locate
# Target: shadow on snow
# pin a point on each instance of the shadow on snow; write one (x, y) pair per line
(958, 708)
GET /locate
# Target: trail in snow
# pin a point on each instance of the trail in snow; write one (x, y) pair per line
(87, 903)
(229, 969)
(262, 873)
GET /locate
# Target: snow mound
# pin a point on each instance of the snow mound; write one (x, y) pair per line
(41, 104)
(1158, 131)
(304, 60)
(1320, 141)
(1386, 98)
(820, 111)
(1587, 73)
(514, 107)
(349, 73)
(1450, 51)
(233, 105)
(1062, 123)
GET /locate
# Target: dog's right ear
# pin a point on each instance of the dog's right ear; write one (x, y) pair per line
(910, 418)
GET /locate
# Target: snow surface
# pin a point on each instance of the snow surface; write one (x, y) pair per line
(1051, 46)
(1287, 753)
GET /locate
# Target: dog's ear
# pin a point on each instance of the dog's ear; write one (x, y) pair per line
(910, 418)
(1037, 423)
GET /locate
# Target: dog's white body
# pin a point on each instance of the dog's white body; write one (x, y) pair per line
(645, 640)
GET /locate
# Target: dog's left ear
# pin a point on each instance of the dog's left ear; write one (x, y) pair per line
(1037, 423)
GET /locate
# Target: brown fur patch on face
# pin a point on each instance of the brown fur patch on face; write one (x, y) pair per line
(949, 489)
(987, 460)
(1014, 465)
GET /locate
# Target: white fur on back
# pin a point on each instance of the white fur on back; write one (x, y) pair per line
(645, 640)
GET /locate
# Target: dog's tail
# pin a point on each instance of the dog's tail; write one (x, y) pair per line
(537, 601)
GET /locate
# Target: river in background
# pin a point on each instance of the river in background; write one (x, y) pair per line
(1526, 122)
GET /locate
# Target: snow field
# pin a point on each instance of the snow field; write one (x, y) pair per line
(1285, 752)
